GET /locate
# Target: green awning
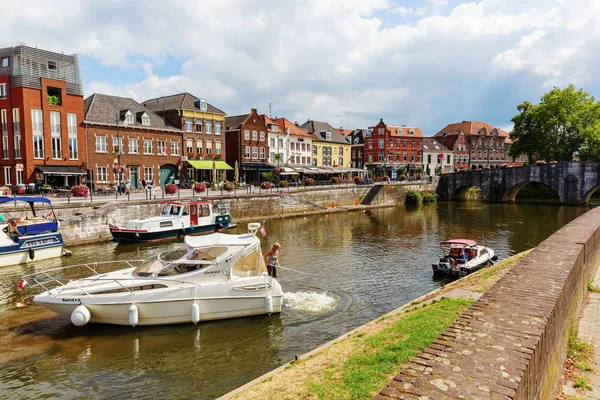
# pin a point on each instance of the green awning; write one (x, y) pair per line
(208, 164)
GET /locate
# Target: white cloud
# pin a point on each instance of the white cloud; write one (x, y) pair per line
(349, 62)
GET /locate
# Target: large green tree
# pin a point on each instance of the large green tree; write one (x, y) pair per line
(565, 125)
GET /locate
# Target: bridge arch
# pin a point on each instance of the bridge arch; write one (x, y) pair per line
(586, 197)
(510, 195)
(461, 192)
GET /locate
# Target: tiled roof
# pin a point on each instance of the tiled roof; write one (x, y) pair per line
(403, 131)
(317, 129)
(469, 128)
(235, 122)
(284, 124)
(345, 132)
(434, 144)
(358, 136)
(181, 101)
(103, 109)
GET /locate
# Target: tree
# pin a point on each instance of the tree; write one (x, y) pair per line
(565, 125)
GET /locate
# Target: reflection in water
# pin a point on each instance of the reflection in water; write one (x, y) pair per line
(360, 265)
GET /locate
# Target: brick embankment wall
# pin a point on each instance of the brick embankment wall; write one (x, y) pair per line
(512, 343)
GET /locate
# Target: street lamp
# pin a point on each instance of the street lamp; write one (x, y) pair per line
(118, 154)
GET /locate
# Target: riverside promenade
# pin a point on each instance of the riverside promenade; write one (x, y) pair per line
(512, 343)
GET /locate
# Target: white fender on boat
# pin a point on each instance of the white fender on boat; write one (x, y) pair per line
(195, 313)
(80, 316)
(269, 304)
(133, 315)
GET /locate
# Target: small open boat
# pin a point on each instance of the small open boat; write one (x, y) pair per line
(25, 236)
(177, 218)
(461, 257)
(215, 276)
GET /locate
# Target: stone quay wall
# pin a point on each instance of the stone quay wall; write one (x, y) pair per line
(511, 344)
(89, 223)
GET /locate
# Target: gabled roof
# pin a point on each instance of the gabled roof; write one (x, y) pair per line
(357, 136)
(318, 129)
(469, 128)
(434, 144)
(345, 132)
(235, 122)
(103, 109)
(180, 101)
(284, 123)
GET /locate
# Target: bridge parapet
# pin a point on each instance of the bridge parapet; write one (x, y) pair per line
(574, 182)
(512, 342)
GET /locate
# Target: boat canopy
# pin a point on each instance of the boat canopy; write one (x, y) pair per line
(466, 242)
(26, 199)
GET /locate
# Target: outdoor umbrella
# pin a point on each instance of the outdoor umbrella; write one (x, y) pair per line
(214, 172)
(236, 175)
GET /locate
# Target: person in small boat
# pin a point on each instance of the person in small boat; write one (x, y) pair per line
(272, 259)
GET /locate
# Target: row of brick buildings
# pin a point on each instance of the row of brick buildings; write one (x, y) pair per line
(52, 135)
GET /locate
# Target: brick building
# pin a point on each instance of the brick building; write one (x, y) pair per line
(41, 109)
(357, 158)
(388, 146)
(246, 138)
(127, 141)
(202, 125)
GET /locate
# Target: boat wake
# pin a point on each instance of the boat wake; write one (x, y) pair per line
(310, 302)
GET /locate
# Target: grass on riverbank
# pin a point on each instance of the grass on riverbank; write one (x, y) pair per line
(360, 365)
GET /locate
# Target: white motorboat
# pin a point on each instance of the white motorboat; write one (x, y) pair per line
(177, 218)
(25, 236)
(215, 276)
(461, 257)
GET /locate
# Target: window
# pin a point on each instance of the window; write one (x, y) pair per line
(404, 157)
(17, 146)
(208, 125)
(19, 176)
(262, 136)
(4, 122)
(134, 146)
(381, 143)
(189, 145)
(5, 146)
(381, 131)
(428, 158)
(16, 121)
(174, 148)
(101, 175)
(314, 162)
(199, 149)
(7, 176)
(145, 119)
(162, 147)
(341, 152)
(55, 134)
(411, 132)
(209, 147)
(448, 159)
(217, 128)
(380, 157)
(100, 144)
(370, 158)
(203, 105)
(129, 118)
(255, 153)
(327, 135)
(314, 149)
(72, 133)
(254, 135)
(4, 62)
(369, 132)
(246, 134)
(51, 65)
(412, 158)
(414, 144)
(274, 128)
(246, 151)
(262, 153)
(281, 143)
(147, 146)
(272, 142)
(198, 127)
(54, 96)
(293, 146)
(117, 144)
(341, 161)
(218, 147)
(188, 125)
(370, 143)
(2, 90)
(148, 174)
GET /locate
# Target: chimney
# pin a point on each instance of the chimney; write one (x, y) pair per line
(296, 123)
(380, 119)
(253, 110)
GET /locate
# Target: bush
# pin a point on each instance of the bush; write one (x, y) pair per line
(309, 182)
(334, 180)
(171, 188)
(228, 186)
(265, 185)
(283, 183)
(414, 197)
(358, 180)
(430, 198)
(268, 177)
(199, 187)
(80, 191)
(5, 191)
(419, 170)
(402, 177)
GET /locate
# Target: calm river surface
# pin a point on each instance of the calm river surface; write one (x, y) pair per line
(361, 266)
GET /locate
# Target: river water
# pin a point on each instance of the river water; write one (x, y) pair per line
(357, 266)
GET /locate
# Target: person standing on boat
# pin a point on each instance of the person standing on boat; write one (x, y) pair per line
(272, 259)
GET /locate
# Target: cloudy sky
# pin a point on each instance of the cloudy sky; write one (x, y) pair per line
(349, 62)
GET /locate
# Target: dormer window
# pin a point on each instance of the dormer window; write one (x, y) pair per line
(145, 119)
(369, 132)
(411, 132)
(203, 104)
(128, 117)
(327, 135)
(274, 128)
(400, 132)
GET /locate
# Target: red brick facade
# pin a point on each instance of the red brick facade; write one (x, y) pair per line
(399, 145)
(21, 101)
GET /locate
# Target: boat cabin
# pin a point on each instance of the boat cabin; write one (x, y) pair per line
(195, 210)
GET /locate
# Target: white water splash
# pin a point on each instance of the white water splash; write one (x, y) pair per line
(310, 302)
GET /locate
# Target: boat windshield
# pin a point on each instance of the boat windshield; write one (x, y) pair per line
(176, 262)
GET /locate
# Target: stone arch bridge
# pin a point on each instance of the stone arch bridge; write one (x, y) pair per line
(574, 182)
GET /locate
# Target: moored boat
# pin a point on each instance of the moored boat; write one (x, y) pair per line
(177, 218)
(462, 257)
(25, 236)
(215, 276)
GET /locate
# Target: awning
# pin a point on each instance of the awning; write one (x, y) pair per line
(60, 170)
(288, 171)
(257, 167)
(208, 164)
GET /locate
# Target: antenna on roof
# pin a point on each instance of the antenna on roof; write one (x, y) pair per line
(270, 110)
